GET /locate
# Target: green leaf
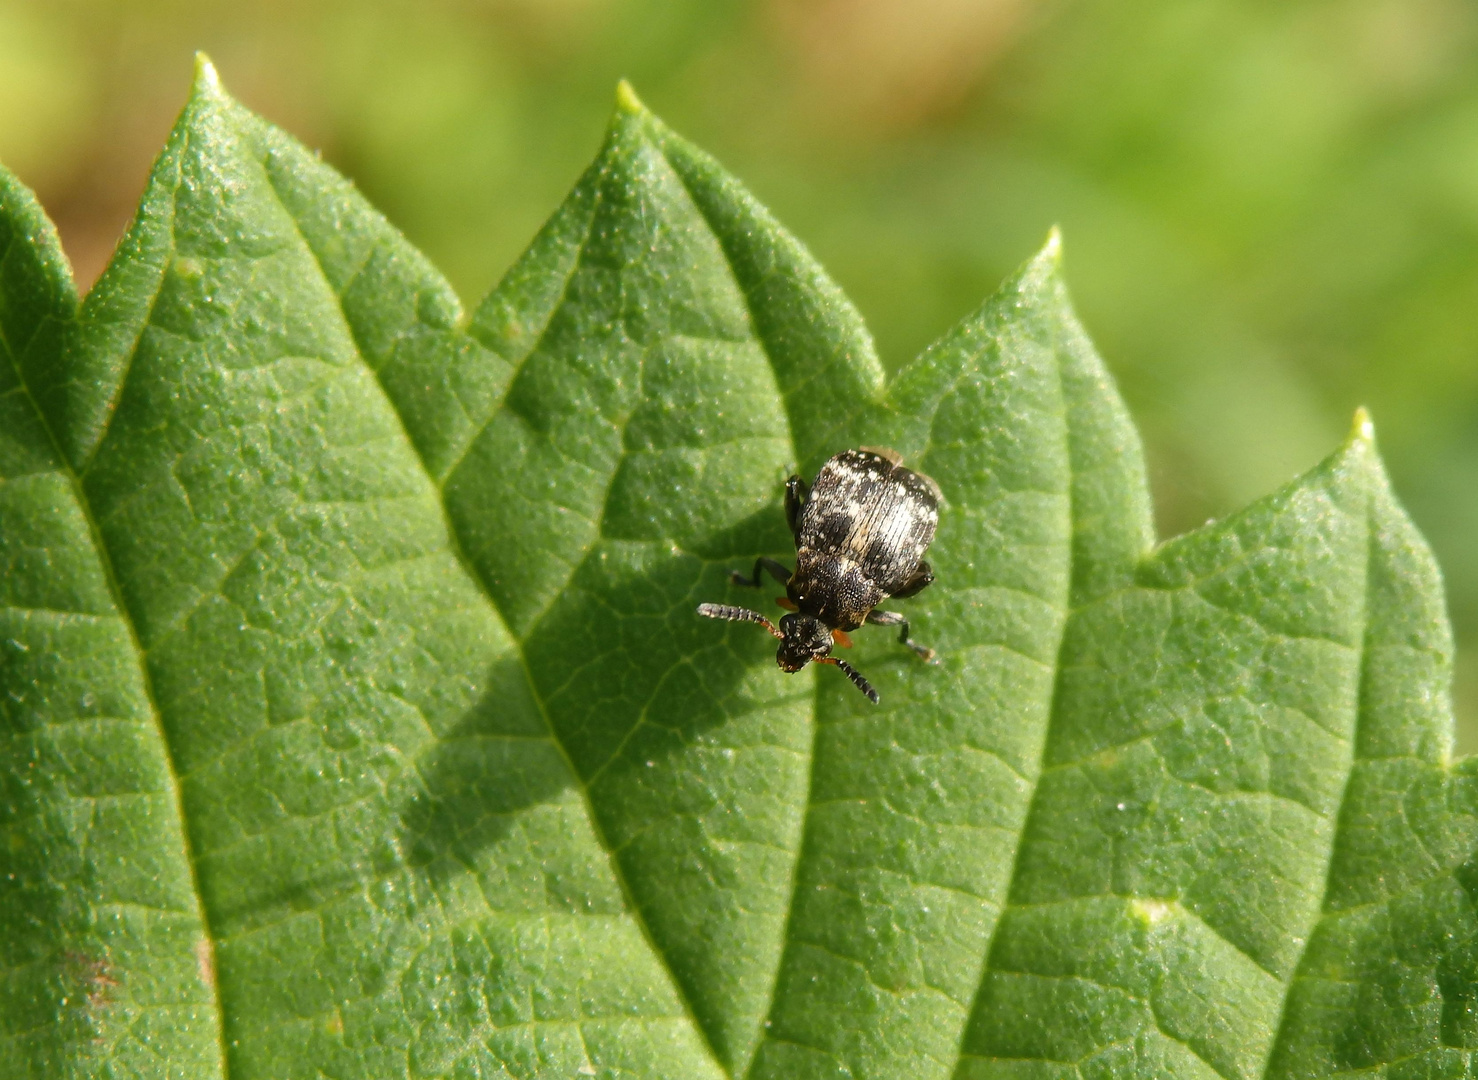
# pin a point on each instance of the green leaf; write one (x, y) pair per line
(355, 719)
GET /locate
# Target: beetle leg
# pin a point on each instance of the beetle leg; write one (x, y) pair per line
(892, 618)
(778, 572)
(797, 491)
(922, 577)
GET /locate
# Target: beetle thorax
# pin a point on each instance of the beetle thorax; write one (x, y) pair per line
(833, 589)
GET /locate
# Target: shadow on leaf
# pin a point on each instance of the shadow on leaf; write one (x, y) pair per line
(630, 678)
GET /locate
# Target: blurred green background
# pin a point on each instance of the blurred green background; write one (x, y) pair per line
(1270, 206)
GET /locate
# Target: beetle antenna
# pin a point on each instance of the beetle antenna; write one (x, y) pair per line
(853, 674)
(739, 614)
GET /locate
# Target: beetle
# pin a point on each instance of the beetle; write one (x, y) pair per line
(860, 536)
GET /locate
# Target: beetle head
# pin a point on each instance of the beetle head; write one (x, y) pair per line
(803, 638)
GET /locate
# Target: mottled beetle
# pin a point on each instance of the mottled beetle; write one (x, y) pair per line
(860, 536)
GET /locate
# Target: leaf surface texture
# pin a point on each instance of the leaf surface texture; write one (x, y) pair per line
(355, 719)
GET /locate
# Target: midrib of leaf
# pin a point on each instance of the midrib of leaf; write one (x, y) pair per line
(1329, 862)
(634, 909)
(1354, 464)
(914, 428)
(636, 134)
(790, 398)
(1428, 804)
(1066, 612)
(1052, 713)
(125, 616)
(790, 410)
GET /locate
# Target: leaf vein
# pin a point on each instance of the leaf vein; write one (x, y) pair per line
(1280, 1029)
(144, 323)
(538, 343)
(125, 617)
(786, 397)
(1053, 717)
(454, 542)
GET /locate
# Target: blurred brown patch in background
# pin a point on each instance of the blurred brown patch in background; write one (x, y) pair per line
(882, 67)
(1271, 210)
